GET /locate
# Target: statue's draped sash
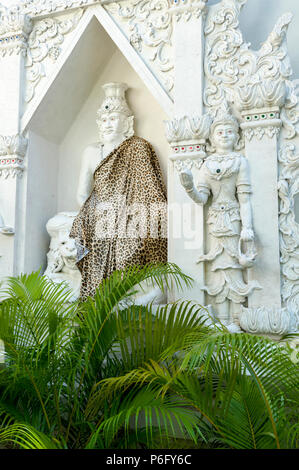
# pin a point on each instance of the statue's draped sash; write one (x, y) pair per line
(124, 220)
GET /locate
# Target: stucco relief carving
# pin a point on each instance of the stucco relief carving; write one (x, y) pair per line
(148, 26)
(187, 137)
(12, 152)
(245, 78)
(288, 187)
(36, 8)
(266, 320)
(224, 177)
(44, 47)
(181, 165)
(259, 87)
(62, 256)
(260, 131)
(188, 128)
(184, 10)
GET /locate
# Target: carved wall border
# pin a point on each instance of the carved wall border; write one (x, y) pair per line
(148, 26)
(38, 9)
(288, 187)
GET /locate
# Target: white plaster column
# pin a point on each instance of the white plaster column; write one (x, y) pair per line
(14, 30)
(187, 134)
(264, 314)
(261, 129)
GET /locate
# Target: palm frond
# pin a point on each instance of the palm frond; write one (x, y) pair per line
(26, 437)
(143, 409)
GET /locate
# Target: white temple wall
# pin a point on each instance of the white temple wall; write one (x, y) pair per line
(149, 118)
(38, 205)
(159, 48)
(8, 214)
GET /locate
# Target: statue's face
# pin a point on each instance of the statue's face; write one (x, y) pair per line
(112, 126)
(224, 137)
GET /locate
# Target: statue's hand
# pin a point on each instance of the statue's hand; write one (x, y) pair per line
(247, 234)
(186, 178)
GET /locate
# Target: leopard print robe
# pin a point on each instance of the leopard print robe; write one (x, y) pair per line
(128, 196)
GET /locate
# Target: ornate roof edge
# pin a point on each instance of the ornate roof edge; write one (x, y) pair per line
(41, 8)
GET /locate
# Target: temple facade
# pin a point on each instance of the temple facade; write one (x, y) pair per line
(221, 115)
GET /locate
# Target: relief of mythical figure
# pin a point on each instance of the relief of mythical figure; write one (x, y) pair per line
(224, 181)
(121, 191)
(62, 256)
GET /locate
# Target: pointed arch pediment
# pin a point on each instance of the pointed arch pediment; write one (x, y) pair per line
(69, 70)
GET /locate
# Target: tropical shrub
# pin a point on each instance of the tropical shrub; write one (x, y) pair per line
(94, 375)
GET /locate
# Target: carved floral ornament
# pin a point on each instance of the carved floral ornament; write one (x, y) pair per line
(188, 128)
(12, 152)
(187, 136)
(148, 26)
(41, 39)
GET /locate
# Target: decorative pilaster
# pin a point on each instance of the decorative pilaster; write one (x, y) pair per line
(261, 129)
(15, 27)
(188, 41)
(187, 140)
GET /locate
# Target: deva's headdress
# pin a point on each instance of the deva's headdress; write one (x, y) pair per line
(223, 115)
(115, 102)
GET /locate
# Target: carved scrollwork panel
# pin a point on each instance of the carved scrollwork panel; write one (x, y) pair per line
(288, 187)
(148, 26)
(45, 45)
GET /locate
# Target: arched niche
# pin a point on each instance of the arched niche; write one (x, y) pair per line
(61, 121)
